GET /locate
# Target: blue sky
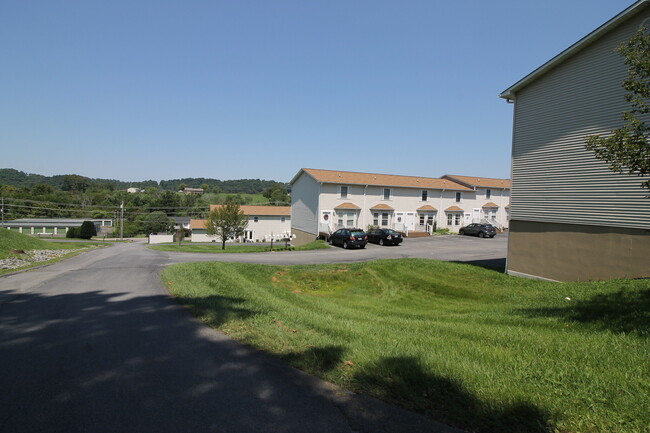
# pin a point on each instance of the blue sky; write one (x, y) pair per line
(137, 90)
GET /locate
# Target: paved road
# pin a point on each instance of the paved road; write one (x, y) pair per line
(95, 344)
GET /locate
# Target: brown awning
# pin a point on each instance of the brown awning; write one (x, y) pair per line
(347, 205)
(381, 206)
(428, 207)
(453, 209)
(490, 204)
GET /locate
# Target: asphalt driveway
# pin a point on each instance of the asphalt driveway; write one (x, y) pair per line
(96, 344)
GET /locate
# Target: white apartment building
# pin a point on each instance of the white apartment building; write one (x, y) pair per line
(324, 200)
(264, 223)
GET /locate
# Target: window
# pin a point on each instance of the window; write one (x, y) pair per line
(344, 191)
(457, 197)
(430, 219)
(350, 219)
(450, 219)
(386, 193)
(457, 219)
(256, 219)
(425, 195)
(283, 219)
(384, 218)
(375, 219)
(488, 193)
(421, 219)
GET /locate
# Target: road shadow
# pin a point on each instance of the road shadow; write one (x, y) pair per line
(316, 359)
(446, 400)
(115, 362)
(624, 311)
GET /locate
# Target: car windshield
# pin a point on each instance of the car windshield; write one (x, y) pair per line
(358, 233)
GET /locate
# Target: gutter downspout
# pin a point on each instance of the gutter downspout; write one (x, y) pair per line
(363, 210)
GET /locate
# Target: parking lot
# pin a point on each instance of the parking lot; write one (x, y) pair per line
(466, 249)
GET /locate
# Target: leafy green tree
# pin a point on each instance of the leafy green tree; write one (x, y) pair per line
(42, 189)
(87, 230)
(75, 183)
(628, 148)
(226, 221)
(154, 222)
(205, 187)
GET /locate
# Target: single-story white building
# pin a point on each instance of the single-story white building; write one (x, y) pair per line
(55, 226)
(264, 223)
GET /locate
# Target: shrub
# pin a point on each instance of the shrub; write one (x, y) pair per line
(73, 232)
(444, 231)
(87, 230)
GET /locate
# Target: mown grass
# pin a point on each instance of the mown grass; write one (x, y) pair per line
(12, 240)
(236, 248)
(467, 346)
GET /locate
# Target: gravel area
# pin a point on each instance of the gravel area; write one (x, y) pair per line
(30, 257)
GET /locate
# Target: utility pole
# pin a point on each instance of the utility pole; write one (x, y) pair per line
(122, 221)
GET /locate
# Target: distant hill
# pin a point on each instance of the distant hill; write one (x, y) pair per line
(20, 179)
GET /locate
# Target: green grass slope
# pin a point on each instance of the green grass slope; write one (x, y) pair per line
(12, 240)
(468, 346)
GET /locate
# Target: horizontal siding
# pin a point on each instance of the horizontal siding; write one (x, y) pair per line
(554, 178)
(304, 204)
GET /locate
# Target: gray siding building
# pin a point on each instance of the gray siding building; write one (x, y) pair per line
(571, 218)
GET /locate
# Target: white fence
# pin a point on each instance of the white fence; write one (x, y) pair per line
(161, 239)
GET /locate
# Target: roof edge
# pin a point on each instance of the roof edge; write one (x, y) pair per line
(629, 12)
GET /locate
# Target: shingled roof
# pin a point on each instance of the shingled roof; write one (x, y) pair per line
(389, 180)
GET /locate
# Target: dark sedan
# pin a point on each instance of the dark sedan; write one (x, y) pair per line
(384, 237)
(348, 238)
(480, 230)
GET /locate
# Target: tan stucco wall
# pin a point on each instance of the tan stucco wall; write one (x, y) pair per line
(302, 238)
(566, 252)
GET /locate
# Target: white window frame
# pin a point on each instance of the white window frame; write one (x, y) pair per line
(459, 196)
(256, 219)
(375, 218)
(347, 191)
(390, 194)
(425, 195)
(488, 193)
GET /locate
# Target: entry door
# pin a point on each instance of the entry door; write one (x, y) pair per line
(468, 218)
(477, 215)
(410, 220)
(325, 220)
(399, 221)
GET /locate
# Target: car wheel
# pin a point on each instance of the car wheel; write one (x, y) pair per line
(481, 234)
(462, 232)
(345, 245)
(329, 241)
(381, 242)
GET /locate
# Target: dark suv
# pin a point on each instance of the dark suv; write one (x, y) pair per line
(349, 238)
(480, 230)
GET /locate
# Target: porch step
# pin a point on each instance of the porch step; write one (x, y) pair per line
(415, 234)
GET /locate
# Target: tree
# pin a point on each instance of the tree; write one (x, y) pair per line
(154, 222)
(75, 183)
(628, 148)
(87, 230)
(226, 221)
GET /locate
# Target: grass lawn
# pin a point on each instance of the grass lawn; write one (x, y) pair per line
(12, 240)
(236, 248)
(467, 346)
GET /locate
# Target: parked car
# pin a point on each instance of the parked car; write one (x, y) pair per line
(349, 238)
(480, 230)
(384, 237)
